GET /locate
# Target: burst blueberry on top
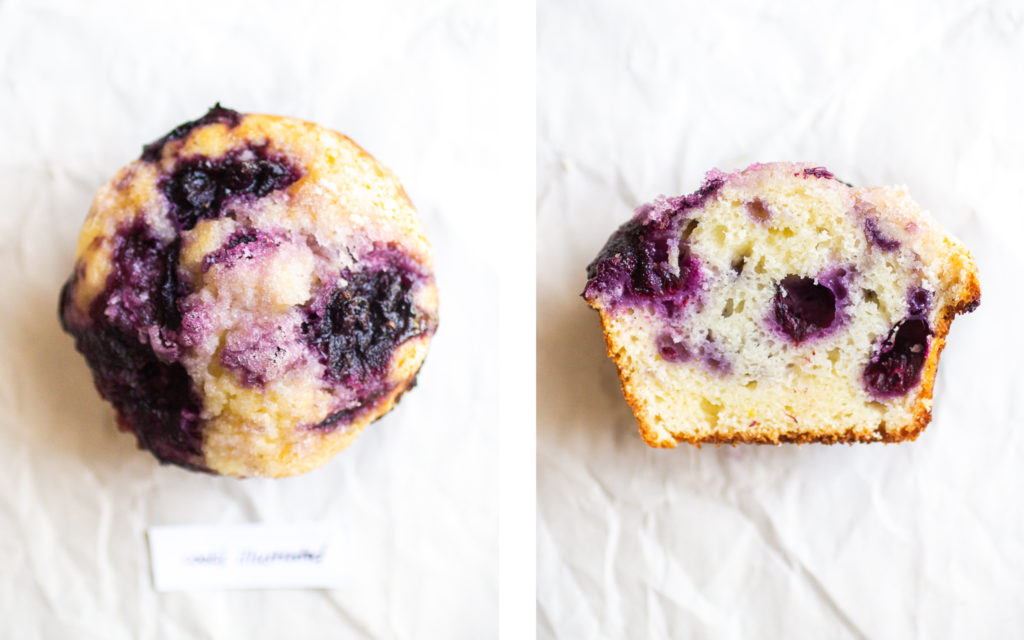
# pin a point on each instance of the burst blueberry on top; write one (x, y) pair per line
(250, 294)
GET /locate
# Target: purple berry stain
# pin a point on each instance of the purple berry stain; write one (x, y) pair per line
(838, 282)
(153, 398)
(672, 349)
(895, 367)
(877, 238)
(152, 151)
(346, 416)
(244, 244)
(822, 172)
(143, 287)
(200, 187)
(803, 308)
(647, 261)
(818, 172)
(358, 326)
(635, 268)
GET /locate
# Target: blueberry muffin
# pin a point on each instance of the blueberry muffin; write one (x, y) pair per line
(779, 304)
(250, 293)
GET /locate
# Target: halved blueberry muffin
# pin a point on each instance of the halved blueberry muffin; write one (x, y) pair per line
(251, 293)
(779, 304)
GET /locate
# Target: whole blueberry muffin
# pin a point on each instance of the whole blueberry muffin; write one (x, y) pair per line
(250, 293)
(779, 304)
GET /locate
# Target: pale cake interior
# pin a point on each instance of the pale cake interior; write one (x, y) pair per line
(762, 225)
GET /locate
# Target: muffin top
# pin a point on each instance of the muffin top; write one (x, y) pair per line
(250, 292)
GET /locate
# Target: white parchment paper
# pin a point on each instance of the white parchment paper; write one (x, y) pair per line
(82, 87)
(919, 540)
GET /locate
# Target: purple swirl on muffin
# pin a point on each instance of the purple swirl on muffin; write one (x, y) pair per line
(250, 294)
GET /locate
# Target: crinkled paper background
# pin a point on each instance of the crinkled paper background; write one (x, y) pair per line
(82, 86)
(919, 540)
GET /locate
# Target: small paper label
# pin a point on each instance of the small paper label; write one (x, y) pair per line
(250, 556)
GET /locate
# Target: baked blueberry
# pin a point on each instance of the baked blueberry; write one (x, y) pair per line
(802, 307)
(895, 366)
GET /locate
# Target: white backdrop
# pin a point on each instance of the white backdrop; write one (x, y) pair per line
(919, 540)
(82, 87)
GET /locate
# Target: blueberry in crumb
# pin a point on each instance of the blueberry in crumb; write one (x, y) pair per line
(648, 260)
(919, 301)
(637, 265)
(802, 307)
(896, 365)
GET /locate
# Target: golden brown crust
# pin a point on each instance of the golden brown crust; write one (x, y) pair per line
(968, 300)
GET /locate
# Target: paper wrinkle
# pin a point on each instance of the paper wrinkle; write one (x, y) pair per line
(915, 540)
(788, 555)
